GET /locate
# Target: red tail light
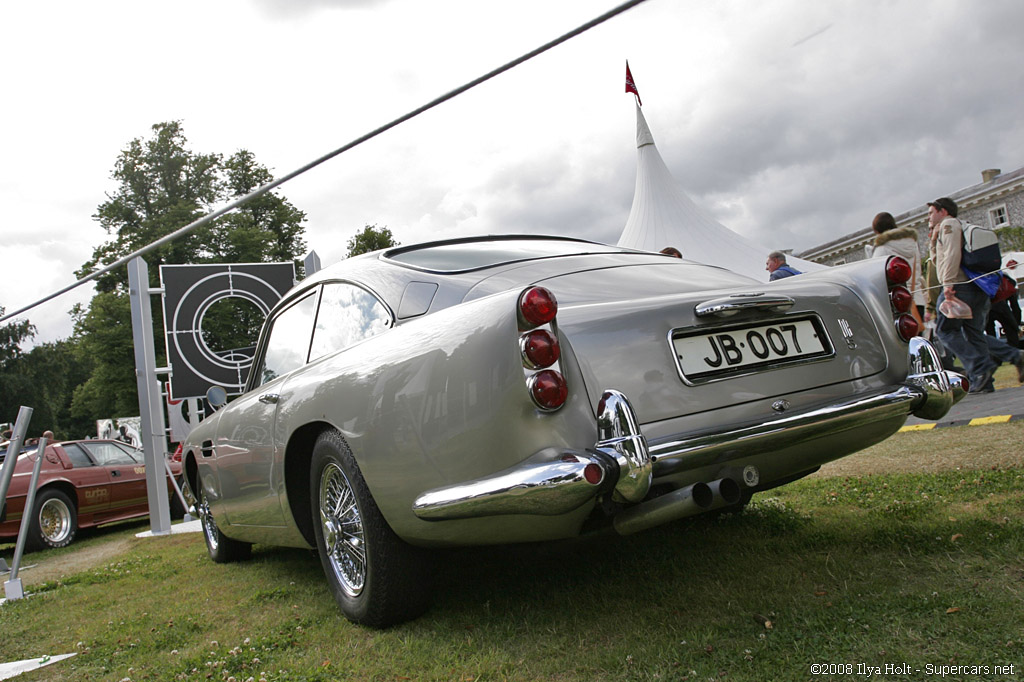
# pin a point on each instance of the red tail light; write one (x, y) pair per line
(898, 270)
(907, 327)
(540, 349)
(548, 389)
(538, 306)
(901, 299)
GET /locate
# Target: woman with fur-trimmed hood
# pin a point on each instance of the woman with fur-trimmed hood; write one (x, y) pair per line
(900, 241)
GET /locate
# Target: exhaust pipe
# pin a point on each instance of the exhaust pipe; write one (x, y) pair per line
(726, 493)
(672, 506)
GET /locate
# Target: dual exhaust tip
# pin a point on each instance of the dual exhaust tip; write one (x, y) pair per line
(690, 501)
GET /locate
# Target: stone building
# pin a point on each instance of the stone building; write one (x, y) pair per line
(997, 201)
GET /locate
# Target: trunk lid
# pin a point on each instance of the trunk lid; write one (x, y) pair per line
(635, 329)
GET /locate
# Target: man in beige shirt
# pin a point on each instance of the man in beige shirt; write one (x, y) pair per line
(966, 338)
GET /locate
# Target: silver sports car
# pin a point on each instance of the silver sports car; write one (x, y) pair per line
(512, 389)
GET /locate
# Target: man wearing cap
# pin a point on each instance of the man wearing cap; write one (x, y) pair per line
(966, 338)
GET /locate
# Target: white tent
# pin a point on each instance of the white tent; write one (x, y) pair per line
(663, 215)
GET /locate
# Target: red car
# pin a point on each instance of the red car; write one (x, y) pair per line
(82, 483)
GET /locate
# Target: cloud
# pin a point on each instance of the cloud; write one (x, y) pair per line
(791, 122)
(298, 9)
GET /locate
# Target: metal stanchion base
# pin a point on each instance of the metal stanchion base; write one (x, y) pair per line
(13, 589)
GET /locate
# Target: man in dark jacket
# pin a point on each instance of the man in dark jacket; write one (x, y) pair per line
(776, 265)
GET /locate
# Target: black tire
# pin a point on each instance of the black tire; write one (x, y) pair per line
(54, 520)
(222, 549)
(377, 579)
(177, 508)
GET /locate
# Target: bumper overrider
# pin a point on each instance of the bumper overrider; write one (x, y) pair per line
(624, 464)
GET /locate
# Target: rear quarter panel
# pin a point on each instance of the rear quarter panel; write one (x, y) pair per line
(435, 401)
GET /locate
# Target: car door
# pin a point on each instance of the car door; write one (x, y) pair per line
(250, 474)
(127, 478)
(92, 482)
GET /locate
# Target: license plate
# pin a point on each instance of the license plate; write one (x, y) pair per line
(704, 355)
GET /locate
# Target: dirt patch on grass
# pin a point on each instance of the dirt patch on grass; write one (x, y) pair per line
(37, 567)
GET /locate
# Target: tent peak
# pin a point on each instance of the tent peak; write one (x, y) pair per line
(643, 132)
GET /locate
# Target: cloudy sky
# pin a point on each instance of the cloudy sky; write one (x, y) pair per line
(792, 122)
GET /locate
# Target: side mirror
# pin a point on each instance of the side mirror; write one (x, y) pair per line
(217, 396)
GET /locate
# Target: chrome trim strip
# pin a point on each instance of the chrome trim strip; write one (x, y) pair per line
(676, 455)
(544, 488)
(730, 305)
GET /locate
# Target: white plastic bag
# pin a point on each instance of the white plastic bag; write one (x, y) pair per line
(955, 309)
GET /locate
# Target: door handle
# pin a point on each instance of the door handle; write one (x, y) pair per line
(269, 398)
(115, 472)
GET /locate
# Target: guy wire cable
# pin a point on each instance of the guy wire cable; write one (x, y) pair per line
(326, 157)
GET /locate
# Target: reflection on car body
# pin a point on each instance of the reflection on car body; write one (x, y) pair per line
(512, 389)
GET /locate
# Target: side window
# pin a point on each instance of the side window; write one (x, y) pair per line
(348, 314)
(107, 454)
(288, 342)
(133, 452)
(77, 456)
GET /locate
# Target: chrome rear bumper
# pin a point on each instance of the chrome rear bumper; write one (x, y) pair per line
(623, 463)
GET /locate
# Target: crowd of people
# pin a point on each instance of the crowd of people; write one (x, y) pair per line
(957, 315)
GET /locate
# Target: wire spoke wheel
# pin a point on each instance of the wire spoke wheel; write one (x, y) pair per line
(220, 547)
(342, 528)
(375, 577)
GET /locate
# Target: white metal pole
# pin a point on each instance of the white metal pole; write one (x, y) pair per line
(14, 449)
(12, 587)
(151, 409)
(7, 470)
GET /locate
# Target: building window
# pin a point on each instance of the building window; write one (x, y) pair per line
(997, 216)
(839, 261)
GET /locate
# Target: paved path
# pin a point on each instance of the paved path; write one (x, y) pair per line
(1004, 405)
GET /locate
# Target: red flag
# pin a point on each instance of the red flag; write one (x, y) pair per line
(631, 86)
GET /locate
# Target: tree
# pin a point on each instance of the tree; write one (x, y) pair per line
(12, 335)
(43, 379)
(161, 187)
(371, 238)
(1011, 238)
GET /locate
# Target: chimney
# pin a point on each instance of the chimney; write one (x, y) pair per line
(990, 174)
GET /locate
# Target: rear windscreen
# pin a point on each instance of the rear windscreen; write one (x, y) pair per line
(472, 255)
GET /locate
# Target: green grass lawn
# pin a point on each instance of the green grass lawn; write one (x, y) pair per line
(924, 569)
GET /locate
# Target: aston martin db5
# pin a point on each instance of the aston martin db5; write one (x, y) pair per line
(518, 389)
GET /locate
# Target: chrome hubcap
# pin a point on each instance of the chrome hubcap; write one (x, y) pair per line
(55, 520)
(342, 529)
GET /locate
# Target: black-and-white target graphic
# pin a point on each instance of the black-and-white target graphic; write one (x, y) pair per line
(189, 292)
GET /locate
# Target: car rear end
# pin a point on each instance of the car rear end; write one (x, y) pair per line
(707, 387)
